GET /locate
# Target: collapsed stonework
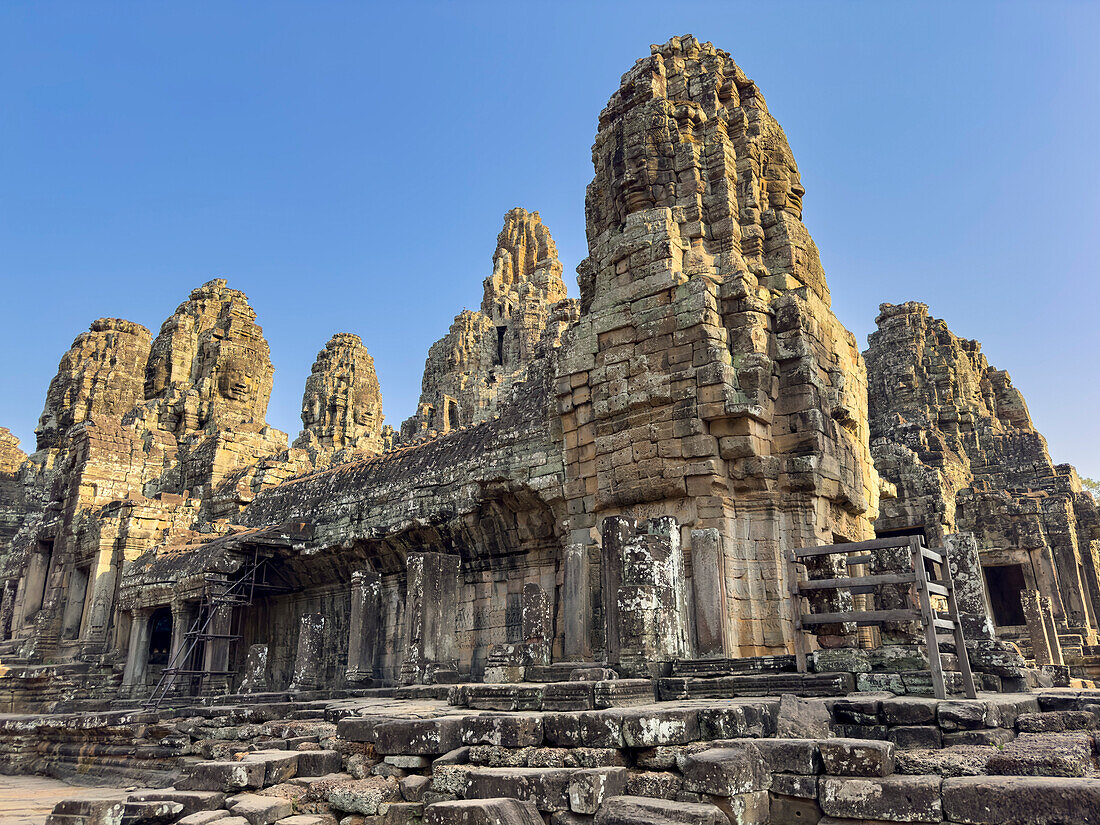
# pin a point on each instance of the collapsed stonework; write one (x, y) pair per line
(577, 554)
(955, 438)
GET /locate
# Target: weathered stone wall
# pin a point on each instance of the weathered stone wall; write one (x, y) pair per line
(956, 439)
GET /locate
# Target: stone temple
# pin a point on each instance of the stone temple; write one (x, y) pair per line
(570, 587)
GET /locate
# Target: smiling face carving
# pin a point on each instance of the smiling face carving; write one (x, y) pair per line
(234, 381)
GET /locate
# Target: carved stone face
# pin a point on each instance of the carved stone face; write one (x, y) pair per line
(234, 381)
(363, 409)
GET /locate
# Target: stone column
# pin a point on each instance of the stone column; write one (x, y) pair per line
(309, 659)
(1052, 631)
(965, 565)
(74, 604)
(1032, 604)
(887, 560)
(709, 583)
(576, 605)
(7, 608)
(430, 603)
(137, 653)
(365, 629)
(216, 653)
(101, 582)
(182, 617)
(255, 670)
(538, 625)
(648, 622)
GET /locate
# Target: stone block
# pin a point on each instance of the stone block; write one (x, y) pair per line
(893, 798)
(915, 736)
(802, 718)
(192, 801)
(796, 785)
(649, 728)
(505, 731)
(1065, 754)
(547, 788)
(223, 776)
(401, 813)
(1056, 720)
(637, 810)
(961, 715)
(358, 796)
(588, 788)
(793, 810)
(857, 757)
(318, 763)
(482, 812)
(594, 729)
(153, 813)
(1021, 800)
(797, 756)
(725, 771)
(198, 818)
(261, 810)
(419, 736)
(909, 710)
(279, 766)
(989, 736)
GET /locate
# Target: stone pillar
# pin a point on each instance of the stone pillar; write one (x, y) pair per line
(365, 630)
(216, 653)
(137, 654)
(255, 670)
(712, 637)
(1032, 604)
(965, 565)
(431, 600)
(7, 608)
(182, 617)
(647, 616)
(74, 604)
(101, 602)
(538, 625)
(35, 588)
(576, 605)
(1052, 631)
(309, 660)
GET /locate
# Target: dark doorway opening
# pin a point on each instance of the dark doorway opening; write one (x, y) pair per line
(1004, 583)
(160, 637)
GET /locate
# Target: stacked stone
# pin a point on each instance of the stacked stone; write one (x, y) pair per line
(956, 439)
(471, 371)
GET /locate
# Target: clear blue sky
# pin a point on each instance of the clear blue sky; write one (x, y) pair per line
(348, 165)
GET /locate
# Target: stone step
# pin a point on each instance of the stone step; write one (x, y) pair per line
(580, 790)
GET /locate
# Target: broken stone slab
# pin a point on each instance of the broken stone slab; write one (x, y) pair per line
(501, 811)
(1021, 800)
(419, 736)
(725, 771)
(261, 810)
(192, 801)
(223, 776)
(589, 787)
(894, 798)
(637, 810)
(857, 757)
(547, 788)
(505, 731)
(802, 718)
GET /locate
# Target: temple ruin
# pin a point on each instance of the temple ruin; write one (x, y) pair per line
(673, 551)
